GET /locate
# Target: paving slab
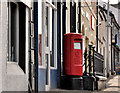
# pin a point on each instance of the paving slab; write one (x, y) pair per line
(113, 84)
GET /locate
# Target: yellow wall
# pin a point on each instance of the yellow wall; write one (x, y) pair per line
(89, 33)
(85, 23)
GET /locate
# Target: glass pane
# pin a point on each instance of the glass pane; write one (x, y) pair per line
(12, 39)
(52, 42)
(40, 34)
(40, 49)
(46, 39)
(46, 61)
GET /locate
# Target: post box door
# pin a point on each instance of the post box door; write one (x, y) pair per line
(76, 60)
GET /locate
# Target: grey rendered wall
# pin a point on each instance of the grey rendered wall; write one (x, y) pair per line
(102, 32)
(118, 16)
(3, 47)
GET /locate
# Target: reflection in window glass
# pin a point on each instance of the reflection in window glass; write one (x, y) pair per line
(46, 39)
(12, 55)
(16, 33)
(46, 62)
(52, 42)
(40, 49)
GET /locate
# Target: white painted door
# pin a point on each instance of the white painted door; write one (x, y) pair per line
(49, 44)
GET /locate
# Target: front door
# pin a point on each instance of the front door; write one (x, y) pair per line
(47, 44)
(49, 39)
(47, 49)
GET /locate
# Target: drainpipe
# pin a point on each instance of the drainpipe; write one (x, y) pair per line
(85, 56)
(64, 30)
(79, 16)
(93, 60)
(90, 67)
(108, 39)
(111, 48)
(36, 44)
(97, 26)
(59, 43)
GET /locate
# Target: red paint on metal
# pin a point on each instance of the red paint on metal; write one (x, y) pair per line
(73, 55)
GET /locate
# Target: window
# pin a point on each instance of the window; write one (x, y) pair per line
(46, 26)
(104, 52)
(53, 38)
(92, 23)
(100, 51)
(49, 35)
(16, 33)
(13, 33)
(52, 41)
(46, 62)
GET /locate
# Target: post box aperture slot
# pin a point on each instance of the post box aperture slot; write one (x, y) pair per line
(77, 45)
(77, 39)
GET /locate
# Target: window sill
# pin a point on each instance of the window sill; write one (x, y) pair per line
(53, 68)
(14, 69)
(41, 67)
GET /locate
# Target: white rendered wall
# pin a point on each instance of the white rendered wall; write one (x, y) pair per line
(3, 44)
(12, 78)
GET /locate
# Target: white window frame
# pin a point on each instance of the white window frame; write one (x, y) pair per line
(18, 31)
(50, 6)
(55, 34)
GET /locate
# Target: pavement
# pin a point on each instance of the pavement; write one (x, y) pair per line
(113, 84)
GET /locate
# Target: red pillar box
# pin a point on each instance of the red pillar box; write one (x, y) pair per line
(73, 55)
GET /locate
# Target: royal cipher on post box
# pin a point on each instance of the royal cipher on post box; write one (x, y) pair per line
(73, 54)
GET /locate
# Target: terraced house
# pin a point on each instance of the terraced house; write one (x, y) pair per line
(33, 45)
(17, 34)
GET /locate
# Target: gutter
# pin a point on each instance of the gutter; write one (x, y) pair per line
(111, 48)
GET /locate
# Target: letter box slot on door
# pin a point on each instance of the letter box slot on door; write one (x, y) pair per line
(73, 55)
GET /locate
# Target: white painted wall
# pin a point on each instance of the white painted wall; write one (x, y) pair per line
(3, 47)
(68, 17)
(12, 78)
(0, 53)
(0, 56)
(16, 79)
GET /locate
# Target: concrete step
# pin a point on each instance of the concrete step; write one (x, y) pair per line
(101, 82)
